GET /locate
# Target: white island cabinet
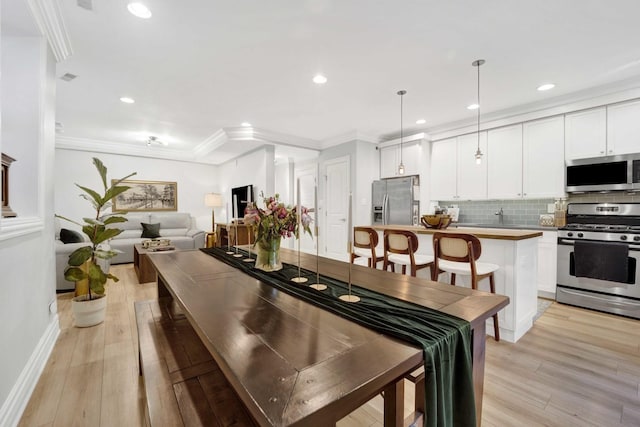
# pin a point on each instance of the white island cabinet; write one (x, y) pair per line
(516, 252)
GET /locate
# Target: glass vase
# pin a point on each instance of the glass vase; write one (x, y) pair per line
(268, 254)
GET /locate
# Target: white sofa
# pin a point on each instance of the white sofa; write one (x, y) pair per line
(178, 227)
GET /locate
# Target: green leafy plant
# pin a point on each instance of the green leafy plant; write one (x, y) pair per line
(82, 267)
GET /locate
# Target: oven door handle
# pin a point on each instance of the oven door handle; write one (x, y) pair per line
(594, 296)
(566, 241)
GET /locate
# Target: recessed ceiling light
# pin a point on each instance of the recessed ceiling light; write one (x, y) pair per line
(473, 107)
(319, 79)
(546, 86)
(127, 100)
(421, 121)
(139, 10)
(245, 124)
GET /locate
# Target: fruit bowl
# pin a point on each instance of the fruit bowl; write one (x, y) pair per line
(438, 221)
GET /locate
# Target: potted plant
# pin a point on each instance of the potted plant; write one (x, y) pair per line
(89, 304)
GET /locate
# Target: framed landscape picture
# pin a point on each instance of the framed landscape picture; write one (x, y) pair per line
(147, 196)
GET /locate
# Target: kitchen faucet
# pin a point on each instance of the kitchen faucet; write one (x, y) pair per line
(500, 214)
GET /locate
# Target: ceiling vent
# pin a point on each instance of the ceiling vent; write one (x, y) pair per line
(86, 4)
(67, 77)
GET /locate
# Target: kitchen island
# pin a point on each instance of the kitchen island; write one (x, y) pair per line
(515, 251)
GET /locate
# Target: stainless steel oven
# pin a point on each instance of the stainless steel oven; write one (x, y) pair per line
(599, 258)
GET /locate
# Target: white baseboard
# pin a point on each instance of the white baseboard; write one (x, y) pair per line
(12, 409)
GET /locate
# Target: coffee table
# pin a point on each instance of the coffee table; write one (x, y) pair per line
(141, 264)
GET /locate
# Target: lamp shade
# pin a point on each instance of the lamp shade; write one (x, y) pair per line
(213, 200)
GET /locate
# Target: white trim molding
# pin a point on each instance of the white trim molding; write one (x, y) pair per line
(48, 17)
(353, 135)
(12, 409)
(10, 228)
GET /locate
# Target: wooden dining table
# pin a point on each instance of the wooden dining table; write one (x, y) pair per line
(293, 363)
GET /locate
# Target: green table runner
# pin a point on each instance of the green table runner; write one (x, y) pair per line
(445, 339)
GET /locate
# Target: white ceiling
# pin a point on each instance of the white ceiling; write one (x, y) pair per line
(199, 68)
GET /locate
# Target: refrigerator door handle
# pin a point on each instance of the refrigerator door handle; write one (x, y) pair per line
(385, 202)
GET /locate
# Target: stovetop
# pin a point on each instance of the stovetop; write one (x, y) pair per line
(612, 222)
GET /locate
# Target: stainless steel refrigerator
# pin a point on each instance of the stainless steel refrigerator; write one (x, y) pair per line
(396, 201)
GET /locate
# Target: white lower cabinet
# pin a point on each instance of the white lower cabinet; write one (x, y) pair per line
(547, 264)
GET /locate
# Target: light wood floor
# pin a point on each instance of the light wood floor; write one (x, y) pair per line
(573, 368)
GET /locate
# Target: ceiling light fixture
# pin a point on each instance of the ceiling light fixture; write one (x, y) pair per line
(127, 100)
(421, 121)
(546, 86)
(477, 63)
(154, 140)
(139, 9)
(473, 107)
(401, 166)
(245, 124)
(319, 79)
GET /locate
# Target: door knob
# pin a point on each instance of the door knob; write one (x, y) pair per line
(343, 220)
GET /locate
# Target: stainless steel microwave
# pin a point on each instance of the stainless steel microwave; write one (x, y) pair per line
(601, 174)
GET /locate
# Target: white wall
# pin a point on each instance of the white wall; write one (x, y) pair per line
(27, 265)
(255, 168)
(366, 171)
(194, 181)
(364, 167)
(20, 86)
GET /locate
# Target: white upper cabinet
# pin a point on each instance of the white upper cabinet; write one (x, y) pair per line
(504, 162)
(586, 134)
(623, 128)
(471, 177)
(543, 158)
(390, 159)
(389, 162)
(443, 169)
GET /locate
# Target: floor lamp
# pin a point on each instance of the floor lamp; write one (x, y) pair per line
(213, 200)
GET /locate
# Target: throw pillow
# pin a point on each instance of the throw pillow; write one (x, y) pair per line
(150, 231)
(70, 236)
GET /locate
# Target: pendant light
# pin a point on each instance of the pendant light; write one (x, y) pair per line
(477, 63)
(401, 166)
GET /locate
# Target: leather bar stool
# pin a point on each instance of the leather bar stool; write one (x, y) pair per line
(400, 247)
(457, 254)
(365, 240)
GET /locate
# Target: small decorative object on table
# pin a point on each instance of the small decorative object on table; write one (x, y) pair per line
(273, 223)
(438, 221)
(155, 243)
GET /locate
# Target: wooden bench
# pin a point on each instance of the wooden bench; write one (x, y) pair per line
(183, 384)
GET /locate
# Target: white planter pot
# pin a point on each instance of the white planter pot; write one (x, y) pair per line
(88, 312)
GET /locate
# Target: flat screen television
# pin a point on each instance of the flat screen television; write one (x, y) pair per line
(240, 196)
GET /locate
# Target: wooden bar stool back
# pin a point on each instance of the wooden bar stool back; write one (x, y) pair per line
(457, 254)
(365, 240)
(400, 247)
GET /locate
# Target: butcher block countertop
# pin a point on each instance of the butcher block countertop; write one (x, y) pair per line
(483, 233)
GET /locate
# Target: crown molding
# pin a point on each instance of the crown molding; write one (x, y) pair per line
(111, 147)
(620, 91)
(350, 136)
(48, 17)
(420, 136)
(213, 142)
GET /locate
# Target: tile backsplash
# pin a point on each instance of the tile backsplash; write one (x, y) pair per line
(527, 212)
(516, 212)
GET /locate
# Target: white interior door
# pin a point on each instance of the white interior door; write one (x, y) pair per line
(336, 196)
